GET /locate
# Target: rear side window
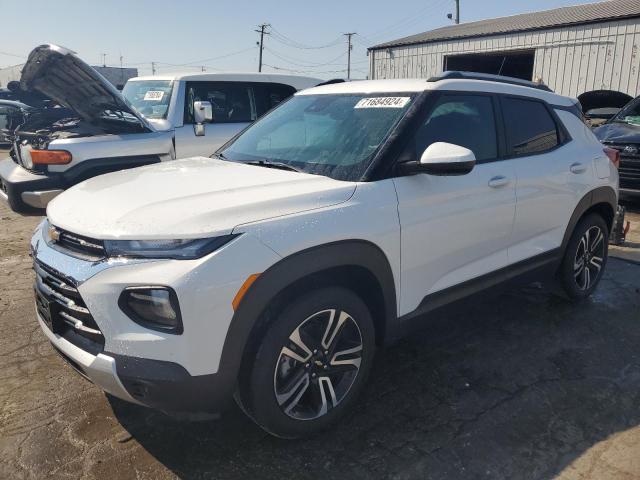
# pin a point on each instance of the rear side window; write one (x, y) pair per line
(230, 102)
(464, 120)
(529, 126)
(268, 95)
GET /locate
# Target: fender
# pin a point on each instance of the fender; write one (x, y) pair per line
(296, 267)
(599, 195)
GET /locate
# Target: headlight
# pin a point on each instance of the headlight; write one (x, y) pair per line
(156, 308)
(176, 249)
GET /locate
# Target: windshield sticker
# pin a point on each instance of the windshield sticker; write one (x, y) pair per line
(383, 102)
(154, 95)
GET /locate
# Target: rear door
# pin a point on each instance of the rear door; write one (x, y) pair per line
(455, 228)
(551, 175)
(233, 106)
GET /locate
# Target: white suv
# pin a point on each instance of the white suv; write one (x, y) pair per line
(329, 227)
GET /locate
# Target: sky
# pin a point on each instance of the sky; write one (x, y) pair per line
(191, 35)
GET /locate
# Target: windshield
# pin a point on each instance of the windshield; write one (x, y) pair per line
(332, 135)
(629, 114)
(149, 97)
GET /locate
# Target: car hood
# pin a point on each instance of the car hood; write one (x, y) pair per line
(190, 198)
(63, 77)
(618, 133)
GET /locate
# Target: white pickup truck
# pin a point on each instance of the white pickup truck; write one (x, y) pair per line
(154, 119)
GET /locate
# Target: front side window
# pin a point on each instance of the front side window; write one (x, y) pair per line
(230, 102)
(332, 135)
(464, 120)
(529, 126)
(150, 98)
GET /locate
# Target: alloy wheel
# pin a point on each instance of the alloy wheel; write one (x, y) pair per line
(589, 258)
(318, 364)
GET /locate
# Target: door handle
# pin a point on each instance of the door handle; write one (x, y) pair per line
(499, 181)
(578, 168)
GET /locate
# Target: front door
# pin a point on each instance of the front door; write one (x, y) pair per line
(455, 228)
(233, 108)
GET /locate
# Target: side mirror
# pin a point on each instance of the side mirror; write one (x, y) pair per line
(442, 158)
(202, 113)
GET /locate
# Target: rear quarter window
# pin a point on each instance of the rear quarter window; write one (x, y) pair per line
(529, 126)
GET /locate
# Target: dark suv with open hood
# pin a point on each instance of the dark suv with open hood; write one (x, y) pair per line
(622, 132)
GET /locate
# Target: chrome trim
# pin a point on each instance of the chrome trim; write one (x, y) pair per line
(76, 269)
(78, 325)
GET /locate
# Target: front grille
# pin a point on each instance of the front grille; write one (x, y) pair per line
(629, 164)
(84, 247)
(61, 306)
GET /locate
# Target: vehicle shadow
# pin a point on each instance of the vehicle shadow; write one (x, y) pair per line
(511, 386)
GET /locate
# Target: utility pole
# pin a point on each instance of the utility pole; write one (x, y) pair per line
(457, 17)
(349, 48)
(104, 59)
(153, 68)
(262, 33)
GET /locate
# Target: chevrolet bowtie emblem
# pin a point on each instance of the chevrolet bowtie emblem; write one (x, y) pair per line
(54, 234)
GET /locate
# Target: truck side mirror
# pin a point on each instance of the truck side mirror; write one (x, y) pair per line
(202, 113)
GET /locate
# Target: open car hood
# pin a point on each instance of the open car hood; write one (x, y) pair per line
(60, 75)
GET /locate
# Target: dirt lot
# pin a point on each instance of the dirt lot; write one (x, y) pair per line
(536, 388)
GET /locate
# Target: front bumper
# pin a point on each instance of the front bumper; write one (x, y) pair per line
(25, 191)
(179, 373)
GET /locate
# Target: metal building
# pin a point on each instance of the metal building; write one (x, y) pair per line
(573, 49)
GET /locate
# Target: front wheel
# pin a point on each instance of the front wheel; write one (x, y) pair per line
(585, 257)
(312, 363)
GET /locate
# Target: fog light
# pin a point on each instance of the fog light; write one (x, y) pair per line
(155, 308)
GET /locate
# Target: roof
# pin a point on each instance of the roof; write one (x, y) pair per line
(297, 81)
(573, 15)
(394, 87)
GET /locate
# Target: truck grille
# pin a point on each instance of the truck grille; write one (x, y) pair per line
(629, 164)
(61, 307)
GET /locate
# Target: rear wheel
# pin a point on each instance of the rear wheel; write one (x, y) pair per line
(585, 257)
(311, 364)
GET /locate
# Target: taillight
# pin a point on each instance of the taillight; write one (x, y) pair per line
(50, 157)
(614, 156)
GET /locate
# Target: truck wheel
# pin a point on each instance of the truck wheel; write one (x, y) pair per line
(311, 364)
(585, 257)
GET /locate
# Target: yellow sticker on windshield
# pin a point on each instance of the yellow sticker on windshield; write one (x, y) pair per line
(383, 102)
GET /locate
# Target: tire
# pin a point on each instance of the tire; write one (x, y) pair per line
(311, 364)
(581, 270)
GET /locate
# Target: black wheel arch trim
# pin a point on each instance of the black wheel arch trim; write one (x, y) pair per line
(600, 195)
(295, 268)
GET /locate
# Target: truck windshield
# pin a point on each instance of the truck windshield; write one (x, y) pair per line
(332, 135)
(149, 97)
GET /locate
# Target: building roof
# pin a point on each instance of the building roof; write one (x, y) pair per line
(577, 14)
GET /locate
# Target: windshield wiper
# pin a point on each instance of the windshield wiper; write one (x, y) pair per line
(270, 164)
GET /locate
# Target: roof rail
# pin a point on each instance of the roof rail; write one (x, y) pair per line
(450, 75)
(331, 82)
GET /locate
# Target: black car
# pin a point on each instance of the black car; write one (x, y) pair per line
(622, 132)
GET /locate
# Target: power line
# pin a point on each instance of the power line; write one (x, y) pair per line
(12, 55)
(297, 62)
(282, 38)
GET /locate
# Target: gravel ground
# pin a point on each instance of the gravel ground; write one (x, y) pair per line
(524, 385)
